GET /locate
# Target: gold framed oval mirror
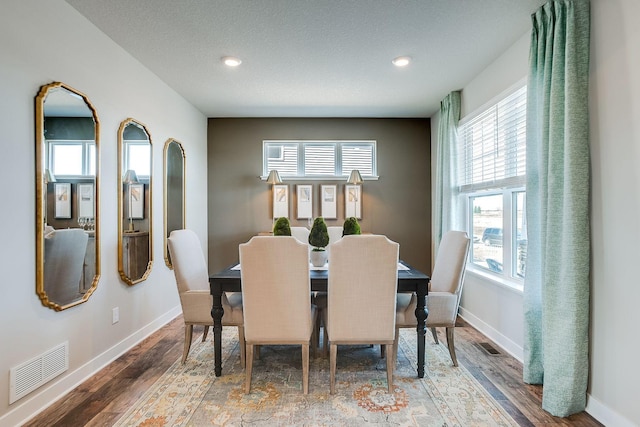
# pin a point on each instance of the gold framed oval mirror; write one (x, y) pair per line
(67, 197)
(135, 165)
(174, 191)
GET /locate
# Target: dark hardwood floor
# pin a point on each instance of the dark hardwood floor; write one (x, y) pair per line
(102, 399)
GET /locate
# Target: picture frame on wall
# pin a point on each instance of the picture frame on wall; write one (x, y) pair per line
(85, 200)
(62, 194)
(329, 205)
(353, 201)
(135, 195)
(304, 195)
(280, 201)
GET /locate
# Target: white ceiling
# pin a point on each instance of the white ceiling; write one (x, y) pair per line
(313, 58)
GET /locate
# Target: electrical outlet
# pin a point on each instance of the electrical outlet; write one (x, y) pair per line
(115, 315)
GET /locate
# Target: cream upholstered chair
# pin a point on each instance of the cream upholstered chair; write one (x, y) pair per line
(276, 291)
(361, 305)
(445, 289)
(335, 233)
(64, 253)
(192, 278)
(301, 234)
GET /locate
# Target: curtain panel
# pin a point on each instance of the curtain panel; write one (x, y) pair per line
(446, 172)
(556, 288)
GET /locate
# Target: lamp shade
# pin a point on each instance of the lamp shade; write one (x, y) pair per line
(274, 177)
(130, 177)
(48, 176)
(355, 177)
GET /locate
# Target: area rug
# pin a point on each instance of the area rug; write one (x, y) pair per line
(191, 395)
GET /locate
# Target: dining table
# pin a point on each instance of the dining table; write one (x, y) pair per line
(410, 280)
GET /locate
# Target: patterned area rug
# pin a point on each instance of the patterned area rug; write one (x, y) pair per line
(191, 395)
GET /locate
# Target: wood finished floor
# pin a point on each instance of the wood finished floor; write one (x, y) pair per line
(102, 399)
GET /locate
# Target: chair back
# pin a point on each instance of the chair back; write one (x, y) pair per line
(451, 260)
(335, 233)
(301, 234)
(189, 265)
(276, 289)
(64, 254)
(363, 277)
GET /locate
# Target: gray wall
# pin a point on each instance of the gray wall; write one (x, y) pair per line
(397, 205)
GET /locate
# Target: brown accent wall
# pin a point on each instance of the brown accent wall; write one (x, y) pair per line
(397, 205)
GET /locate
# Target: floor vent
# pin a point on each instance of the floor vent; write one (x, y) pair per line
(30, 375)
(489, 348)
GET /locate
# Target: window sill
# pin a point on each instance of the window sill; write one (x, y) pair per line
(320, 178)
(503, 282)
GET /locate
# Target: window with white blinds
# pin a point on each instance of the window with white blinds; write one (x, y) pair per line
(319, 159)
(492, 146)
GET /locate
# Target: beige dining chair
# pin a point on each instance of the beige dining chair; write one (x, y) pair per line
(192, 278)
(301, 234)
(361, 296)
(445, 289)
(276, 291)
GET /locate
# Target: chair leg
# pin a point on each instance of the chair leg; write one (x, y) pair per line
(435, 335)
(390, 372)
(325, 344)
(452, 349)
(205, 333)
(247, 372)
(188, 336)
(394, 356)
(305, 368)
(332, 370)
(243, 347)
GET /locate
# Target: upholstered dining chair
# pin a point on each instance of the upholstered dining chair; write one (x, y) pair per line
(361, 296)
(276, 291)
(301, 234)
(192, 278)
(445, 289)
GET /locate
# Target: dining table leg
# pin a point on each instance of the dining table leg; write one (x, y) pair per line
(421, 328)
(216, 313)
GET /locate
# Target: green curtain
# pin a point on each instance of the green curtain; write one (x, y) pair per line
(446, 194)
(556, 288)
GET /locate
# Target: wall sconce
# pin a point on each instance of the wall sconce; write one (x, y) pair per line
(129, 178)
(274, 177)
(355, 196)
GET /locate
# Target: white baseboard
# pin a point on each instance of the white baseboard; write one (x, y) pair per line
(606, 415)
(40, 399)
(496, 336)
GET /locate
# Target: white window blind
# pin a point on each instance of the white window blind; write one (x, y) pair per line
(493, 146)
(319, 159)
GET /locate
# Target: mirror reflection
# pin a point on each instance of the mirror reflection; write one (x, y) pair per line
(174, 196)
(67, 261)
(134, 190)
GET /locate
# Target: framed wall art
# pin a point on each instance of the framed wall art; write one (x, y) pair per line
(305, 201)
(62, 192)
(353, 201)
(328, 198)
(85, 200)
(280, 201)
(136, 201)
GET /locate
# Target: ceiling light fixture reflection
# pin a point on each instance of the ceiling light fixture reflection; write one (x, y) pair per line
(231, 61)
(401, 61)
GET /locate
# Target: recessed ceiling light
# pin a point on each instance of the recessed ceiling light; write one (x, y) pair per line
(401, 61)
(231, 61)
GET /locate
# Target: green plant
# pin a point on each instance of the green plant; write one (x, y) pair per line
(350, 226)
(319, 236)
(282, 227)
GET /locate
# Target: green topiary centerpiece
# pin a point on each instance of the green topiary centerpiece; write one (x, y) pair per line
(282, 227)
(350, 226)
(319, 239)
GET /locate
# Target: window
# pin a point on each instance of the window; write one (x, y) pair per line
(319, 159)
(492, 164)
(72, 158)
(136, 157)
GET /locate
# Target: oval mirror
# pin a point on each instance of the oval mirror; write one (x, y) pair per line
(174, 192)
(67, 208)
(134, 202)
